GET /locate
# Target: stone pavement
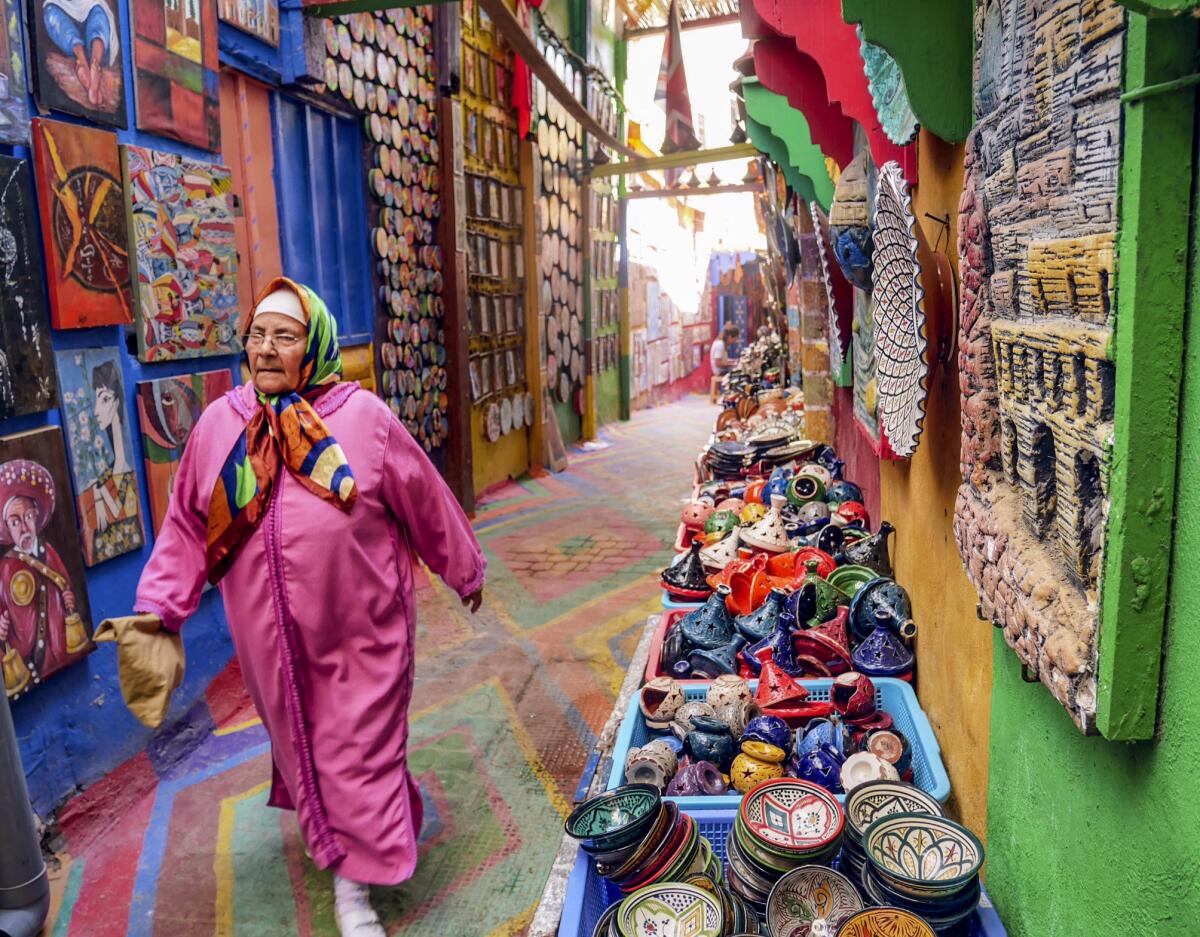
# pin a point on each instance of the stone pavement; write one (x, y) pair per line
(505, 715)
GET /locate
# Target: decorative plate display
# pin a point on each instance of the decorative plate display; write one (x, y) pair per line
(792, 814)
(885, 922)
(671, 910)
(840, 315)
(492, 421)
(900, 326)
(518, 412)
(876, 799)
(921, 850)
(506, 417)
(888, 93)
(808, 895)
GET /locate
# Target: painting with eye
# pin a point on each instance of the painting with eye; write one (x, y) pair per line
(185, 255)
(76, 56)
(26, 361)
(96, 421)
(45, 619)
(168, 409)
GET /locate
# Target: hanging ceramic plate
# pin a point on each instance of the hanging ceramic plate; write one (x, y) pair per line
(540, 96)
(551, 362)
(555, 212)
(506, 416)
(528, 409)
(564, 388)
(518, 412)
(543, 138)
(899, 325)
(491, 424)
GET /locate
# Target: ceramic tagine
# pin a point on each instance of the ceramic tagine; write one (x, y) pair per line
(687, 580)
(721, 660)
(816, 600)
(718, 555)
(872, 551)
(710, 626)
(883, 653)
(695, 513)
(761, 622)
(879, 593)
(769, 533)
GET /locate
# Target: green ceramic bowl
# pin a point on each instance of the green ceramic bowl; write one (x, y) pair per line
(922, 855)
(615, 818)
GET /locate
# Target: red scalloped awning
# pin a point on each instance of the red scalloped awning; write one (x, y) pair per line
(818, 31)
(799, 78)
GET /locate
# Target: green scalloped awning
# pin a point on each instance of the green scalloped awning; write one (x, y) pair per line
(776, 149)
(933, 43)
(789, 125)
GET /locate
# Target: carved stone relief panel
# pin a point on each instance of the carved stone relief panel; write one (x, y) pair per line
(1036, 226)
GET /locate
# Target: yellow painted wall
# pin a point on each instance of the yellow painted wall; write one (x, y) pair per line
(494, 462)
(954, 648)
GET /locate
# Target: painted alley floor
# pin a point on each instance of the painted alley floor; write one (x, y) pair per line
(507, 708)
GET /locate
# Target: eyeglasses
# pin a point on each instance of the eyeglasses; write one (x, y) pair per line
(281, 340)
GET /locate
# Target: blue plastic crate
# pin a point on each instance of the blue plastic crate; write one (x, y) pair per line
(588, 894)
(891, 695)
(669, 603)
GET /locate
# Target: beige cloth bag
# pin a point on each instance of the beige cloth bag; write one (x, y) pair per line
(150, 662)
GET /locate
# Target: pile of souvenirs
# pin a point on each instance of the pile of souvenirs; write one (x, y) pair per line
(760, 365)
(794, 862)
(736, 738)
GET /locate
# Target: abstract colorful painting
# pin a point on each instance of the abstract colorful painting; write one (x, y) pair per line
(26, 361)
(257, 17)
(84, 224)
(185, 269)
(96, 420)
(45, 620)
(176, 88)
(14, 111)
(77, 64)
(167, 410)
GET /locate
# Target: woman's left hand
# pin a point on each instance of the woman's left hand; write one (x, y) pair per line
(474, 600)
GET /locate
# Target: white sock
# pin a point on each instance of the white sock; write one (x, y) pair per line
(352, 908)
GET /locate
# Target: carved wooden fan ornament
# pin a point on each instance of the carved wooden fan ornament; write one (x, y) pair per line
(910, 309)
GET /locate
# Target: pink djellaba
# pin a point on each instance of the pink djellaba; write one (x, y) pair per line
(321, 609)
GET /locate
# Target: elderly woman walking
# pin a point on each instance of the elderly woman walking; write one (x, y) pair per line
(305, 499)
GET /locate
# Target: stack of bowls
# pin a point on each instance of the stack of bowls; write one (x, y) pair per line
(782, 824)
(926, 865)
(870, 801)
(670, 909)
(636, 840)
(740, 917)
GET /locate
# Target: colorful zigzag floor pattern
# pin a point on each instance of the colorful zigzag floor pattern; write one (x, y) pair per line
(506, 712)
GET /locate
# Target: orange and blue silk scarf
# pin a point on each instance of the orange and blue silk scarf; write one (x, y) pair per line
(287, 431)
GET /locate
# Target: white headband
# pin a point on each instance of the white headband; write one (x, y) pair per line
(283, 301)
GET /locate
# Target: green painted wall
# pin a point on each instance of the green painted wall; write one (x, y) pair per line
(608, 396)
(1087, 836)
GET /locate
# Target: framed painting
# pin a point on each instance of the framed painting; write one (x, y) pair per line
(91, 82)
(167, 410)
(176, 87)
(14, 111)
(27, 378)
(45, 620)
(84, 225)
(259, 18)
(185, 269)
(96, 420)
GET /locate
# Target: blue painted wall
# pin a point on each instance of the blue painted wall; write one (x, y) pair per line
(75, 728)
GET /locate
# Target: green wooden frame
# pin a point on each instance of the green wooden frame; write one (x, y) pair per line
(1152, 238)
(789, 126)
(933, 43)
(775, 149)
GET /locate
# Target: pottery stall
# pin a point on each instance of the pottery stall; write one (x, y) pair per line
(774, 773)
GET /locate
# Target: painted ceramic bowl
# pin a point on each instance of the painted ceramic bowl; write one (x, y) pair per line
(615, 818)
(922, 855)
(885, 922)
(872, 800)
(866, 766)
(811, 899)
(605, 920)
(791, 816)
(670, 910)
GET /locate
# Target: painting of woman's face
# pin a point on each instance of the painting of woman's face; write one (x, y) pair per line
(106, 407)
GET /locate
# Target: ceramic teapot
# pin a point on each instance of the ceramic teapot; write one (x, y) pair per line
(761, 622)
(872, 551)
(883, 653)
